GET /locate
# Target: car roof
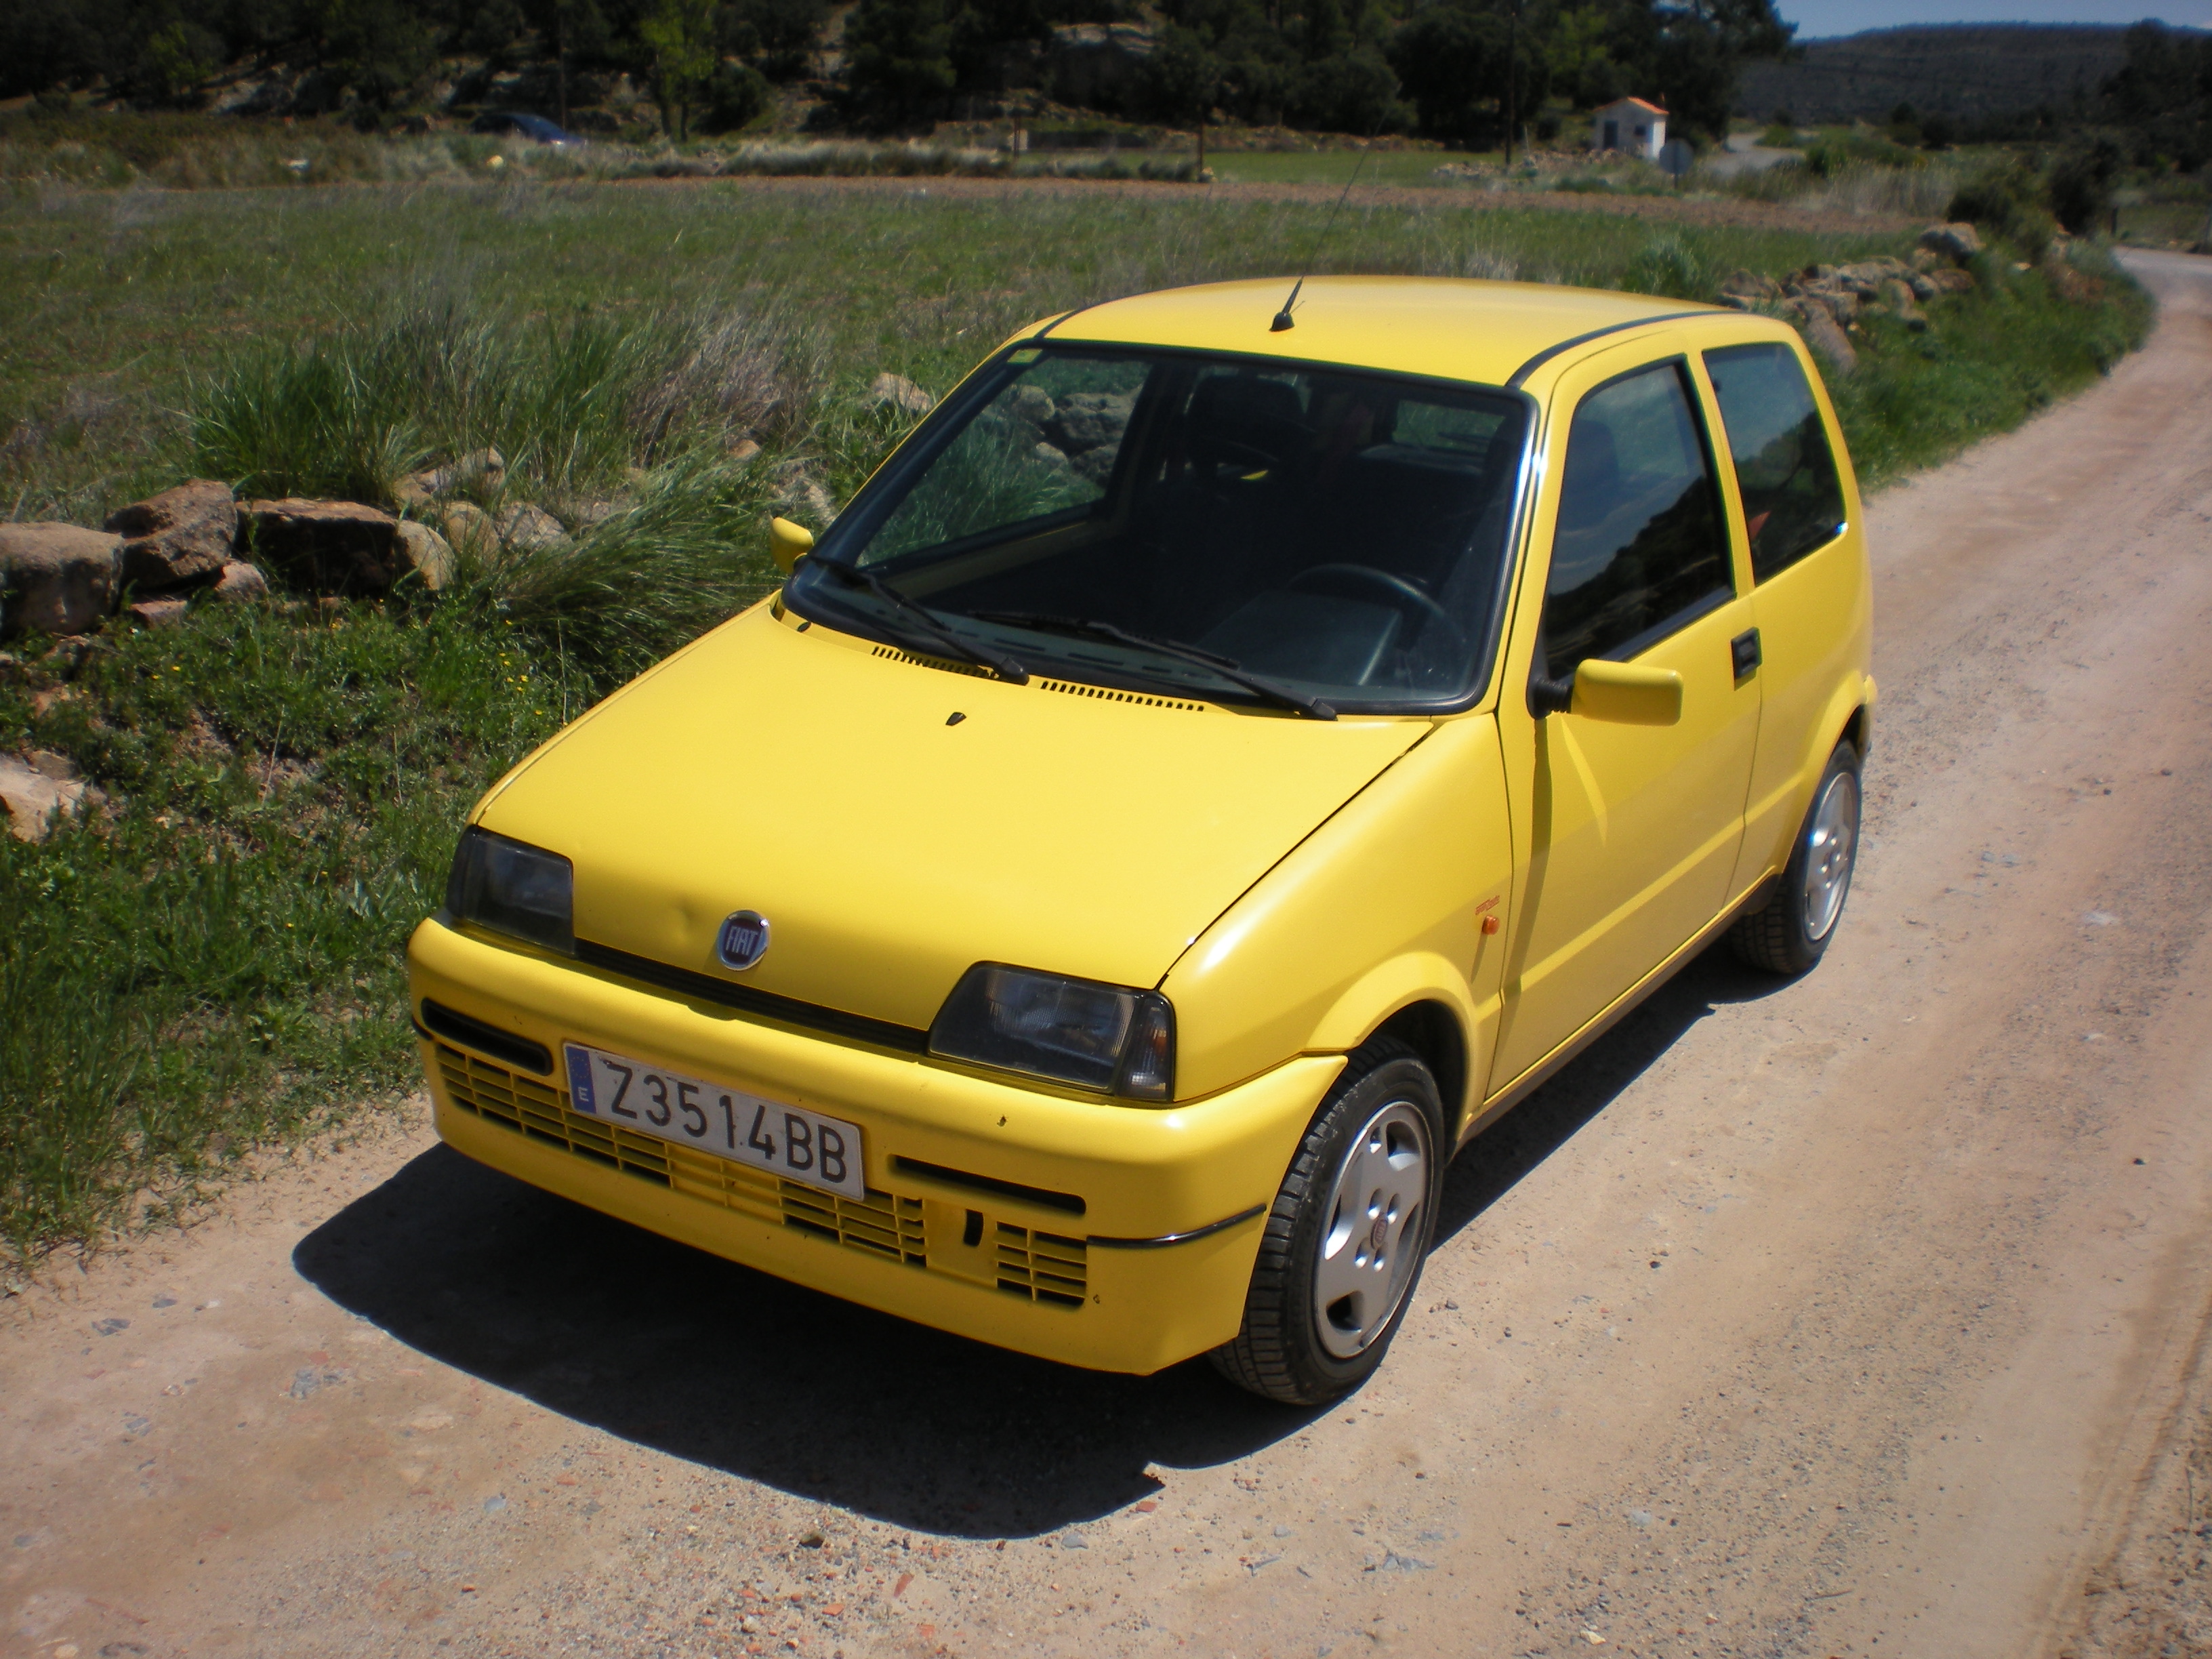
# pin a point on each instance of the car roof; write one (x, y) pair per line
(1454, 328)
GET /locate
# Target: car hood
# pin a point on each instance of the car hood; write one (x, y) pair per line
(824, 782)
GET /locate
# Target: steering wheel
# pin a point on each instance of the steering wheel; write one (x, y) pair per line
(1391, 590)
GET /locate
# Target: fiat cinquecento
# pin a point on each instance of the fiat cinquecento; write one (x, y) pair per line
(1226, 757)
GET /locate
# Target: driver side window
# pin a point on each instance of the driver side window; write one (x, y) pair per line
(1639, 546)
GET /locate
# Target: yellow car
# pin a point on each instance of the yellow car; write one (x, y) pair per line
(1226, 757)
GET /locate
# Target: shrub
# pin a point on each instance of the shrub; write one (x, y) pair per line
(570, 403)
(1830, 157)
(738, 96)
(1668, 265)
(685, 552)
(2009, 201)
(2081, 185)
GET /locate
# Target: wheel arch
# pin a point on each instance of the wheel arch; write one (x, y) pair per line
(1421, 999)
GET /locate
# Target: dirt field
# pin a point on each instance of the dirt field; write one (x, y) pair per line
(1863, 1314)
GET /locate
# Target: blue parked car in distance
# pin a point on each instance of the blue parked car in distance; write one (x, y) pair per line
(529, 126)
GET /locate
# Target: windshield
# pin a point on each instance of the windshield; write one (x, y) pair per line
(1231, 528)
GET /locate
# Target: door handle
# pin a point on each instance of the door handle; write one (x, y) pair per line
(1743, 651)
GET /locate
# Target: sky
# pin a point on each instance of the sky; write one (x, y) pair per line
(1816, 19)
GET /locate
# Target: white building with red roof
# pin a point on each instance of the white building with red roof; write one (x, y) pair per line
(1630, 126)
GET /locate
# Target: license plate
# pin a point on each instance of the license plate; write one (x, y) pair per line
(784, 1140)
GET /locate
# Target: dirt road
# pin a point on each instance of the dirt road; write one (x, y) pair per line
(1854, 1316)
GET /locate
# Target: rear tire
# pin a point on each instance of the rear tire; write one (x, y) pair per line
(1792, 931)
(1347, 1236)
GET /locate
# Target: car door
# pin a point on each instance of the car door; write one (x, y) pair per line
(1628, 834)
(1811, 598)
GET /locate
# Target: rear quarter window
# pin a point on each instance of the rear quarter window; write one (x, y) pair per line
(1793, 500)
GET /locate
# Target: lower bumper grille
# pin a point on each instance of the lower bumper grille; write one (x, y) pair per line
(1039, 1267)
(1043, 1266)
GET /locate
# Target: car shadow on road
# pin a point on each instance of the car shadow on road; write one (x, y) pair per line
(1498, 1160)
(671, 1348)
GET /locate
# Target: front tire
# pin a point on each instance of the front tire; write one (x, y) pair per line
(1792, 931)
(1347, 1236)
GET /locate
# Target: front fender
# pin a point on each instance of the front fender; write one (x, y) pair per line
(1380, 907)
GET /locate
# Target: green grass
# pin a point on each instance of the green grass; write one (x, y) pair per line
(213, 960)
(121, 302)
(1989, 363)
(216, 961)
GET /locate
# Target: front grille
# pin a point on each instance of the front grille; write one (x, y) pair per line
(1043, 1266)
(1039, 1267)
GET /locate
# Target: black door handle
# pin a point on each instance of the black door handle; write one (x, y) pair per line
(1743, 651)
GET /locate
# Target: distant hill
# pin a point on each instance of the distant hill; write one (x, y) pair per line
(1961, 71)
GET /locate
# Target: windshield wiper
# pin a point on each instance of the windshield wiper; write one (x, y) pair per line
(1004, 667)
(1228, 667)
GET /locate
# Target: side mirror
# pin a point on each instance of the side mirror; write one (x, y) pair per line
(787, 543)
(1626, 694)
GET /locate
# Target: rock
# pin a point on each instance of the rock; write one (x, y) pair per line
(482, 468)
(1748, 290)
(1826, 335)
(900, 393)
(59, 577)
(1096, 465)
(1926, 258)
(1897, 294)
(470, 527)
(33, 800)
(427, 554)
(2071, 285)
(1867, 276)
(1952, 281)
(1961, 241)
(239, 583)
(1050, 455)
(1085, 419)
(1923, 285)
(1032, 404)
(179, 536)
(1840, 303)
(528, 527)
(745, 450)
(338, 545)
(159, 613)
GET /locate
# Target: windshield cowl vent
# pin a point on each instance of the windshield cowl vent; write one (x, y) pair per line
(892, 655)
(1105, 693)
(1109, 695)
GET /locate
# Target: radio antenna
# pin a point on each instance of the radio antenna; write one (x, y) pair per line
(1283, 317)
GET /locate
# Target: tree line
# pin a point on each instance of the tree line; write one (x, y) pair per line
(1456, 69)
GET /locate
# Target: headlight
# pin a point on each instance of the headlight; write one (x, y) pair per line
(1073, 1030)
(515, 888)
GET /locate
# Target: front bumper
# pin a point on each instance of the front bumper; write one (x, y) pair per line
(971, 1222)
